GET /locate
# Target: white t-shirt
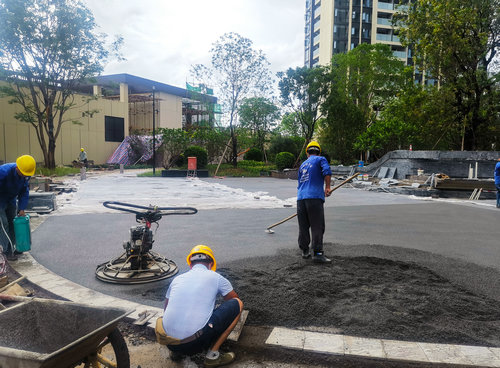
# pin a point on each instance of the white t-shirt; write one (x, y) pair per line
(191, 300)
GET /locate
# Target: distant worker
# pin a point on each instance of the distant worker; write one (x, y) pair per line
(190, 324)
(14, 187)
(83, 157)
(497, 181)
(314, 179)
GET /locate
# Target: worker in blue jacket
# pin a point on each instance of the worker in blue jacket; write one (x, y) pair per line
(497, 181)
(14, 193)
(314, 178)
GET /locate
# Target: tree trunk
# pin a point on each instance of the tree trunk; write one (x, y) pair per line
(51, 162)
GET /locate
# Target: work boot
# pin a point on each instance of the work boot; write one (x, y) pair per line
(17, 253)
(306, 253)
(223, 359)
(11, 257)
(319, 257)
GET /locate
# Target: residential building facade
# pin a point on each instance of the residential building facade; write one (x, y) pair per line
(337, 26)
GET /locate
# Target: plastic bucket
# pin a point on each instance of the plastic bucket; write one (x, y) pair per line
(23, 233)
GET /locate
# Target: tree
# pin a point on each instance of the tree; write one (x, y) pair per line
(47, 47)
(259, 115)
(175, 141)
(455, 42)
(368, 76)
(238, 70)
(302, 91)
(289, 124)
(363, 81)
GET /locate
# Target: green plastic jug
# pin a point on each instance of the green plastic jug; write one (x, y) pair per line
(23, 233)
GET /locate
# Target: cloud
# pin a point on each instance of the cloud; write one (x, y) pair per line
(163, 38)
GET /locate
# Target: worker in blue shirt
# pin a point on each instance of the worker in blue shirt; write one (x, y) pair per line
(497, 181)
(14, 187)
(314, 180)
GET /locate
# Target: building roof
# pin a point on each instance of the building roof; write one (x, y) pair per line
(137, 85)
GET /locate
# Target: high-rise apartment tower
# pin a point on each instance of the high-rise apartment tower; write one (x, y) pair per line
(337, 26)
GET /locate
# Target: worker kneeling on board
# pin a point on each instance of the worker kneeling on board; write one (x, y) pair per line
(190, 324)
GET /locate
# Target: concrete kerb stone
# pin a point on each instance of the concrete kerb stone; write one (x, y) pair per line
(407, 351)
(314, 342)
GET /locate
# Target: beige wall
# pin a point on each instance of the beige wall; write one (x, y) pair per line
(17, 138)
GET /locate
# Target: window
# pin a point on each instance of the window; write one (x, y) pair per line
(353, 30)
(114, 129)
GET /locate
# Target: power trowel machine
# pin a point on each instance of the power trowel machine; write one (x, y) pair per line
(138, 264)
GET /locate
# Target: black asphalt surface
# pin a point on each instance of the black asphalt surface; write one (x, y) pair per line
(457, 240)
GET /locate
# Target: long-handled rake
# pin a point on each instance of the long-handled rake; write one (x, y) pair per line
(269, 231)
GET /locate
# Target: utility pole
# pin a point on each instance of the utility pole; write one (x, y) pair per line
(154, 138)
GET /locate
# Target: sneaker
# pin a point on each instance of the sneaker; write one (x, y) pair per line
(223, 359)
(306, 254)
(320, 258)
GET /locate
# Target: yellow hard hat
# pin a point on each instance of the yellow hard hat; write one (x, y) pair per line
(26, 165)
(81, 149)
(202, 249)
(313, 144)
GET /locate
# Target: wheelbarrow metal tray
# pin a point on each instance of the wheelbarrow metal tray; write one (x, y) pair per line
(44, 333)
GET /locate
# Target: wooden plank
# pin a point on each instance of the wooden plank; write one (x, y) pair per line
(464, 184)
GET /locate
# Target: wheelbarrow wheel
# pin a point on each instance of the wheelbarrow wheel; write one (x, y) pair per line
(102, 358)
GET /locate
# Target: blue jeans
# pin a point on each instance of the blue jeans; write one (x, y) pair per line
(498, 195)
(220, 320)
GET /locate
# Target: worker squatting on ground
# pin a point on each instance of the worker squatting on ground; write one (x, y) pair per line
(497, 181)
(83, 157)
(190, 324)
(14, 187)
(314, 179)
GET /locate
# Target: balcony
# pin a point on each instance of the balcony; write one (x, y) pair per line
(387, 6)
(384, 21)
(400, 54)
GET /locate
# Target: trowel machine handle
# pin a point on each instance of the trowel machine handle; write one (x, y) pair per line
(150, 213)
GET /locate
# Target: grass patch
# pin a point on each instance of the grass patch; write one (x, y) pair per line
(245, 168)
(58, 171)
(150, 173)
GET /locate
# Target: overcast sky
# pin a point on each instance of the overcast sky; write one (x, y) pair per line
(163, 38)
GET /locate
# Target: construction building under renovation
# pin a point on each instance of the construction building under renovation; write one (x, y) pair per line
(121, 105)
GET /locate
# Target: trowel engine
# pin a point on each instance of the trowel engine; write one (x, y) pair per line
(138, 264)
(141, 242)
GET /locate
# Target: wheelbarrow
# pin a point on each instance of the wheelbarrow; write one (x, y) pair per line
(44, 333)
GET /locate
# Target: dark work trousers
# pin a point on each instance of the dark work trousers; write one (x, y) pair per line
(7, 217)
(311, 215)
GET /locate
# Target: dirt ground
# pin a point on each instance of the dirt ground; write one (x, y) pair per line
(363, 296)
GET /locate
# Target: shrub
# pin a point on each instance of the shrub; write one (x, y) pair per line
(253, 154)
(284, 160)
(200, 153)
(286, 144)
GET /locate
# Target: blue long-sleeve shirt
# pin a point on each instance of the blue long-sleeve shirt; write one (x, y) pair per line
(12, 186)
(497, 173)
(311, 178)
